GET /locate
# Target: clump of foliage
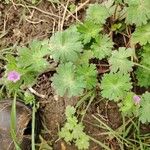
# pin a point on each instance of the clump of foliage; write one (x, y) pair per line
(116, 85)
(76, 50)
(28, 64)
(73, 131)
(138, 12)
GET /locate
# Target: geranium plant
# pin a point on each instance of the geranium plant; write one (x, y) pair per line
(77, 50)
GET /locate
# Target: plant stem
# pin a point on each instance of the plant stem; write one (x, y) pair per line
(13, 123)
(33, 126)
(91, 99)
(144, 67)
(83, 99)
(100, 143)
(112, 132)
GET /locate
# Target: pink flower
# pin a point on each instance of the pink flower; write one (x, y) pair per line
(13, 76)
(136, 99)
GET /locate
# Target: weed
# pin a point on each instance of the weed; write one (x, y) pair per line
(76, 47)
(73, 131)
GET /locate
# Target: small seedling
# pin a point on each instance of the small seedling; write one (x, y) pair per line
(73, 130)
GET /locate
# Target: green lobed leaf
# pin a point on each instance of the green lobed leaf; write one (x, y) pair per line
(29, 79)
(65, 81)
(70, 111)
(66, 134)
(145, 54)
(115, 86)
(143, 77)
(138, 12)
(89, 73)
(142, 74)
(31, 57)
(97, 13)
(88, 31)
(145, 108)
(119, 60)
(115, 8)
(82, 142)
(128, 106)
(65, 45)
(78, 129)
(11, 63)
(141, 35)
(103, 47)
(71, 122)
(85, 57)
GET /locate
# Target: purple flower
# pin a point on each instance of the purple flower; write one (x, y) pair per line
(13, 76)
(136, 99)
